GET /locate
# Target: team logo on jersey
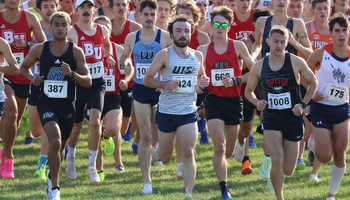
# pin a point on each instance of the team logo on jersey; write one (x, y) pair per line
(56, 73)
(277, 84)
(3, 26)
(148, 55)
(48, 115)
(234, 24)
(242, 34)
(338, 75)
(10, 36)
(318, 44)
(92, 50)
(316, 37)
(109, 71)
(183, 70)
(222, 64)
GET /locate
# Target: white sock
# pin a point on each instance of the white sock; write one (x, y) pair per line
(71, 153)
(180, 163)
(147, 188)
(336, 177)
(92, 159)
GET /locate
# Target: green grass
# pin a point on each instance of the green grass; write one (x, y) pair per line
(129, 185)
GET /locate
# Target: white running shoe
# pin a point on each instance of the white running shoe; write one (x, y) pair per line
(158, 163)
(93, 175)
(179, 171)
(311, 143)
(55, 195)
(70, 170)
(314, 177)
(49, 185)
(147, 188)
(239, 152)
(330, 198)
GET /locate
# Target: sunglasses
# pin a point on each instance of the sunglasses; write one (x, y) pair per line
(218, 24)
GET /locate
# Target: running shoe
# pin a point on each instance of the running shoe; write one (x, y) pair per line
(70, 170)
(0, 139)
(314, 177)
(311, 143)
(40, 173)
(28, 141)
(300, 164)
(246, 168)
(311, 157)
(147, 188)
(226, 195)
(109, 146)
(270, 187)
(8, 169)
(93, 176)
(330, 198)
(188, 197)
(119, 169)
(179, 171)
(127, 136)
(134, 148)
(158, 163)
(239, 152)
(251, 141)
(49, 185)
(55, 194)
(265, 168)
(101, 175)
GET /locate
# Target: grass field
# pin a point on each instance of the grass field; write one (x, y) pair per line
(129, 185)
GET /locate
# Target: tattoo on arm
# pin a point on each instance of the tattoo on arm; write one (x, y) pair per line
(303, 36)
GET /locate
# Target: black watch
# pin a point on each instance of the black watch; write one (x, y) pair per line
(237, 80)
(303, 104)
(28, 44)
(73, 74)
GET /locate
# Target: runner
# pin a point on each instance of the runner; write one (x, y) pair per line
(94, 40)
(341, 6)
(104, 10)
(182, 70)
(296, 8)
(329, 111)
(223, 106)
(242, 24)
(281, 97)
(203, 7)
(61, 64)
(17, 27)
(308, 14)
(165, 11)
(134, 15)
(145, 44)
(46, 8)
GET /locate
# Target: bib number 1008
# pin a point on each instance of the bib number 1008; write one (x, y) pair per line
(279, 101)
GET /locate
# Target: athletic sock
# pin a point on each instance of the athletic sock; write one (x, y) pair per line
(179, 164)
(223, 186)
(54, 188)
(336, 177)
(245, 159)
(92, 159)
(42, 161)
(71, 153)
(267, 155)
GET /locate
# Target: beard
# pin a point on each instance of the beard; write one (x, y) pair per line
(181, 44)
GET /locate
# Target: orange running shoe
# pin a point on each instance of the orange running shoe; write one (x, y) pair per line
(247, 168)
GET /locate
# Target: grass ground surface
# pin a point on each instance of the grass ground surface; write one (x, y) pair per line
(129, 185)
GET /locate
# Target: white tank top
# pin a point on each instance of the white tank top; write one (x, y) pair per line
(333, 78)
(132, 17)
(181, 101)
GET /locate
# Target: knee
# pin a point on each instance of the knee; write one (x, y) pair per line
(94, 124)
(339, 157)
(244, 132)
(77, 128)
(219, 148)
(55, 143)
(111, 132)
(289, 170)
(11, 115)
(187, 153)
(164, 157)
(36, 133)
(145, 138)
(277, 161)
(323, 156)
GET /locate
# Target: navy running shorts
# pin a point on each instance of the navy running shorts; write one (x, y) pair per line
(169, 123)
(146, 95)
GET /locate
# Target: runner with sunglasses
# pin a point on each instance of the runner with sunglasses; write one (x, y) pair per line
(223, 106)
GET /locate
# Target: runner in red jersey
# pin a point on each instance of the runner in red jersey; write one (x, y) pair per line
(111, 113)
(94, 40)
(189, 8)
(223, 106)
(242, 24)
(16, 27)
(341, 6)
(121, 27)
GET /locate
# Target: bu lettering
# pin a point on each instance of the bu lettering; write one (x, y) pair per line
(92, 50)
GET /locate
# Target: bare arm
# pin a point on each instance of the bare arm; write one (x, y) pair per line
(256, 48)
(252, 82)
(30, 60)
(119, 51)
(315, 59)
(244, 54)
(12, 66)
(302, 44)
(203, 38)
(128, 45)
(35, 26)
(73, 35)
(255, 3)
(83, 77)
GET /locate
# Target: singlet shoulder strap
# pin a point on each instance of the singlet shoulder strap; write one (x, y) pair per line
(312, 27)
(290, 24)
(100, 11)
(159, 34)
(137, 36)
(328, 48)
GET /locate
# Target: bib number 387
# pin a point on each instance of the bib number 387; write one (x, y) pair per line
(335, 93)
(55, 89)
(186, 84)
(279, 101)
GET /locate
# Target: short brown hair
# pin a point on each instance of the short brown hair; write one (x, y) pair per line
(222, 11)
(172, 4)
(314, 2)
(338, 18)
(60, 14)
(148, 3)
(111, 3)
(191, 5)
(38, 3)
(180, 18)
(279, 29)
(106, 19)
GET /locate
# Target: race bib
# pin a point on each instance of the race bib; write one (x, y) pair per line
(186, 84)
(141, 69)
(96, 69)
(336, 93)
(56, 89)
(121, 69)
(279, 101)
(19, 58)
(216, 75)
(110, 83)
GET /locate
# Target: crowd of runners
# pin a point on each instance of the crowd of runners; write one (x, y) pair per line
(162, 72)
